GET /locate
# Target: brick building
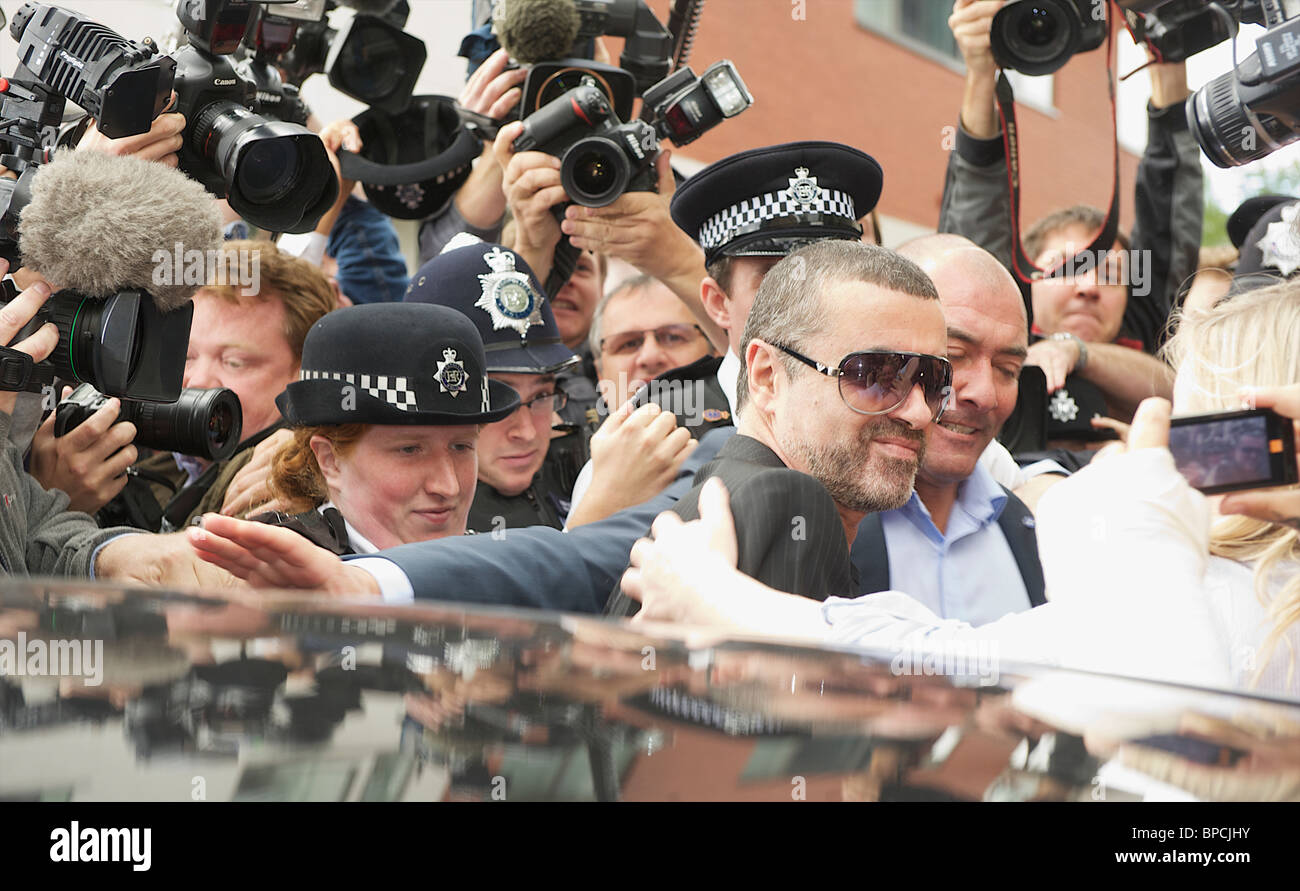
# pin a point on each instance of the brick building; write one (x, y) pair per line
(884, 76)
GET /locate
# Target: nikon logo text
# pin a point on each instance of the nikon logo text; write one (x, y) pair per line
(77, 845)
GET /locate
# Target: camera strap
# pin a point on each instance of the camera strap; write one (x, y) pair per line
(1022, 265)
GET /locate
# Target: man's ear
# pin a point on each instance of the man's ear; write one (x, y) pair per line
(716, 302)
(765, 372)
(323, 449)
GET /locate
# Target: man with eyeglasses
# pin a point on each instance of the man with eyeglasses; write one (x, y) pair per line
(844, 375)
(524, 478)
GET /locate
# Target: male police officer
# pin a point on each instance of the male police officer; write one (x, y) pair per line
(524, 475)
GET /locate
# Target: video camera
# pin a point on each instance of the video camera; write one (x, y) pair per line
(124, 344)
(276, 174)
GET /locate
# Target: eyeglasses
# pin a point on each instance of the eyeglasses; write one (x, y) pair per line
(669, 337)
(875, 382)
(544, 403)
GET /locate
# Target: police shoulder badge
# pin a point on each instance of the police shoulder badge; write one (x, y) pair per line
(451, 374)
(804, 188)
(508, 296)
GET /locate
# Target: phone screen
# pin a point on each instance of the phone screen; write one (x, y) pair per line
(1227, 452)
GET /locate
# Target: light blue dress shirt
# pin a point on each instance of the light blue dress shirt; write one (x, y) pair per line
(968, 574)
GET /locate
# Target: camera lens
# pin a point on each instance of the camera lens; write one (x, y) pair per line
(268, 172)
(1037, 28)
(201, 423)
(81, 323)
(1234, 124)
(277, 174)
(595, 171)
(1035, 36)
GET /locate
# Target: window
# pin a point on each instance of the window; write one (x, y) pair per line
(923, 28)
(920, 26)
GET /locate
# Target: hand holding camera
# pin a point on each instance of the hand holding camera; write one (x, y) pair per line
(90, 462)
(531, 183)
(1278, 505)
(16, 315)
(638, 229)
(165, 137)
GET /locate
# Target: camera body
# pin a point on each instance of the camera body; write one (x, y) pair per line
(600, 156)
(201, 423)
(276, 174)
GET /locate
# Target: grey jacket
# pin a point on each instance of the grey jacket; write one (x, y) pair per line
(977, 204)
(38, 534)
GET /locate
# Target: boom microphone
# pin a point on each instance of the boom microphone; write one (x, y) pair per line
(95, 223)
(536, 30)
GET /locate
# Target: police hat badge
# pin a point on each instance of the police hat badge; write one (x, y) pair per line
(508, 296)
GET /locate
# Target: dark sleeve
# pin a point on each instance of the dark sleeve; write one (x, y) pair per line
(40, 535)
(790, 536)
(1167, 226)
(445, 225)
(976, 198)
(538, 566)
(371, 266)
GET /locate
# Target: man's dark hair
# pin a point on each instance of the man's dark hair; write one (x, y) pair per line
(1089, 218)
(788, 308)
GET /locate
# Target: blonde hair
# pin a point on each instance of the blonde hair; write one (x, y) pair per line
(1248, 340)
(296, 476)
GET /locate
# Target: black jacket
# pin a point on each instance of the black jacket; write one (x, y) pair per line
(788, 530)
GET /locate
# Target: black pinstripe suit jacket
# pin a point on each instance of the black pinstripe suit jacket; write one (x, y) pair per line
(789, 533)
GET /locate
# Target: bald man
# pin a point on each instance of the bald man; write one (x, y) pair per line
(963, 545)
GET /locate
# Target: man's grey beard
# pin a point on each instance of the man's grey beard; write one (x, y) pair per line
(838, 467)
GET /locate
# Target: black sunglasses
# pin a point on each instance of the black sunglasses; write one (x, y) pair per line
(875, 382)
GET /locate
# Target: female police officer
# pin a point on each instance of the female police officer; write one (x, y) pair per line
(386, 420)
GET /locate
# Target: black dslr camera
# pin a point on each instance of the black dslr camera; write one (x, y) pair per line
(602, 157)
(1040, 36)
(276, 175)
(201, 423)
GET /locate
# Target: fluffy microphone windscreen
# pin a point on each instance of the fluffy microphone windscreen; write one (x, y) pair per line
(96, 224)
(537, 30)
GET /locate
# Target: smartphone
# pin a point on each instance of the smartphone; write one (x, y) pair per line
(1233, 450)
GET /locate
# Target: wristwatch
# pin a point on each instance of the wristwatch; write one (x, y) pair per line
(1082, 362)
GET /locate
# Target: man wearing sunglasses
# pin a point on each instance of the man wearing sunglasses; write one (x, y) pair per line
(524, 475)
(844, 376)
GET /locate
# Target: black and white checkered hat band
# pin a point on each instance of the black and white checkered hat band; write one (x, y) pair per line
(748, 215)
(393, 390)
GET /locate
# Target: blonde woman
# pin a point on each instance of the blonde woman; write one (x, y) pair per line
(1146, 576)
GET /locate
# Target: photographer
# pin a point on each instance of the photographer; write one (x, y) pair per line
(252, 345)
(1094, 327)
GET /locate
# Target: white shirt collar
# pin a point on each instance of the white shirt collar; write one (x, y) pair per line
(360, 544)
(728, 378)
